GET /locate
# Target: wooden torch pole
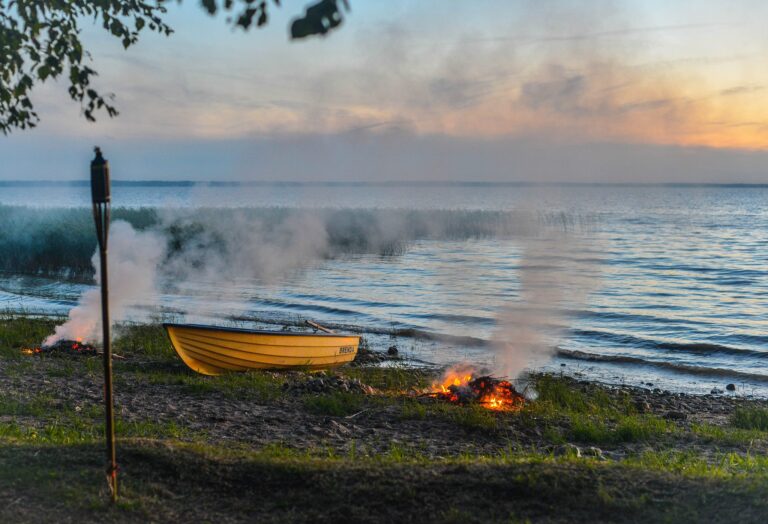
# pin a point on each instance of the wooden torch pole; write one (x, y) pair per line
(100, 193)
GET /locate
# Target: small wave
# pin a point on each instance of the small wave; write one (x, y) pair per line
(345, 300)
(634, 317)
(701, 348)
(318, 308)
(671, 366)
(454, 318)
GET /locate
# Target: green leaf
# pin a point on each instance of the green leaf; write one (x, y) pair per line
(38, 40)
(210, 6)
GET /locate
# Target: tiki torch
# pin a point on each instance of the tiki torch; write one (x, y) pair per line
(100, 199)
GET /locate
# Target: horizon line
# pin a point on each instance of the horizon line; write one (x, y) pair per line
(365, 183)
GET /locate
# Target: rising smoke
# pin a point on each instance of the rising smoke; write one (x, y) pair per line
(217, 248)
(224, 246)
(556, 275)
(134, 258)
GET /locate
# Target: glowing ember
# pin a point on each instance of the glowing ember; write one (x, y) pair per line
(490, 392)
(69, 347)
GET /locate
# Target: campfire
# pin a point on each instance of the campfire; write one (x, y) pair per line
(466, 388)
(62, 347)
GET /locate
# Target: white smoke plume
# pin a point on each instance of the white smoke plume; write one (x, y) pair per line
(223, 252)
(556, 275)
(133, 258)
(234, 245)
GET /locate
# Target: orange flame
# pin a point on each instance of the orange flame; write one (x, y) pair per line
(451, 379)
(494, 394)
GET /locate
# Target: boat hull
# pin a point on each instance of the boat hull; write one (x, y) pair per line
(214, 350)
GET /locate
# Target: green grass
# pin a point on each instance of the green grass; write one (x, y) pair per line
(46, 405)
(633, 428)
(728, 435)
(557, 394)
(565, 410)
(641, 427)
(413, 409)
(20, 331)
(750, 418)
(691, 464)
(161, 481)
(251, 385)
(509, 454)
(67, 369)
(37, 406)
(474, 418)
(335, 404)
(392, 379)
(68, 430)
(145, 340)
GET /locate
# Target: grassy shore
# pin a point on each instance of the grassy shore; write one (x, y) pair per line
(263, 447)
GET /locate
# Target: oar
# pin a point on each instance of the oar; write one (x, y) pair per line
(318, 326)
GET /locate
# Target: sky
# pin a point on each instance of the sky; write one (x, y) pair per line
(488, 90)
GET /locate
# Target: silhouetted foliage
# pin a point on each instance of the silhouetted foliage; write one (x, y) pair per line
(40, 40)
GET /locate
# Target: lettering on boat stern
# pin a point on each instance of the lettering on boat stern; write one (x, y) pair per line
(346, 349)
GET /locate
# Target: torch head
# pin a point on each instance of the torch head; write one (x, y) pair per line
(99, 179)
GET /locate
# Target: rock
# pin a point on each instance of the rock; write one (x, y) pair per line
(592, 451)
(392, 351)
(716, 391)
(325, 384)
(340, 428)
(562, 365)
(649, 383)
(731, 387)
(675, 415)
(643, 406)
(567, 450)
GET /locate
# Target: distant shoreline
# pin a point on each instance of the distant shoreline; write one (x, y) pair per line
(391, 183)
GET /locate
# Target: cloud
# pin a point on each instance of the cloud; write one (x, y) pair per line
(596, 72)
(562, 95)
(742, 90)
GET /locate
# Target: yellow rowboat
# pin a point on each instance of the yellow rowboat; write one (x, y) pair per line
(212, 350)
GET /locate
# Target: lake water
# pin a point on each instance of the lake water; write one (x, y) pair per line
(677, 294)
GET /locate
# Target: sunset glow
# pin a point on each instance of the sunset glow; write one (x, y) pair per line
(688, 75)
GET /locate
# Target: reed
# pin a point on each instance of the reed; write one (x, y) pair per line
(61, 241)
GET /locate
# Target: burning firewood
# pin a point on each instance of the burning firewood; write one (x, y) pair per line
(63, 347)
(487, 391)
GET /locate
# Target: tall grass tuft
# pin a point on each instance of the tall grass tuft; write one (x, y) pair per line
(750, 418)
